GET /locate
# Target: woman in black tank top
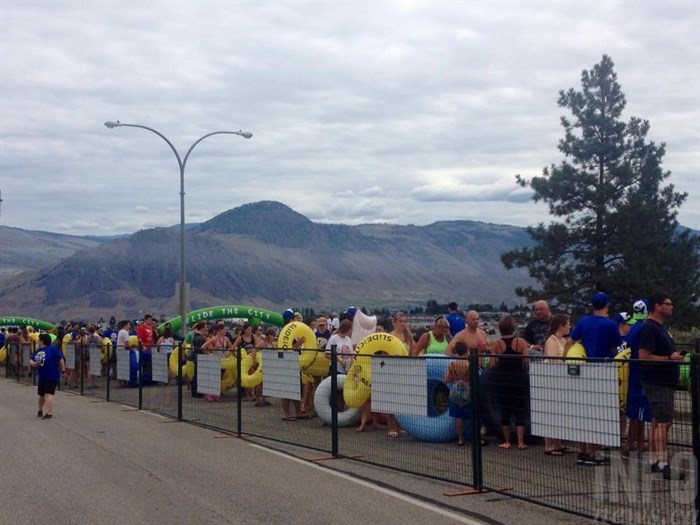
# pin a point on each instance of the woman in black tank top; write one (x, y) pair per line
(511, 381)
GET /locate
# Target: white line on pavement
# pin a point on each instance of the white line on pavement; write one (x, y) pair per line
(413, 501)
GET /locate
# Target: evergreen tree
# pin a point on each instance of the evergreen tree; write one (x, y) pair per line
(618, 230)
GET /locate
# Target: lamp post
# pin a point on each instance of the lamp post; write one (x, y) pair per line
(182, 162)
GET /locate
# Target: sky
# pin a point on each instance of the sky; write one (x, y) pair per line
(401, 112)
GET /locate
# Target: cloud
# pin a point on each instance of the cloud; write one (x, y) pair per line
(381, 112)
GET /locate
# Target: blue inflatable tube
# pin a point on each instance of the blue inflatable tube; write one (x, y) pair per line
(437, 426)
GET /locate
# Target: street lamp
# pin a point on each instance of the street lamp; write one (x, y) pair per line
(182, 162)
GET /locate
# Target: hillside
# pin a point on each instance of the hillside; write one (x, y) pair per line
(22, 250)
(268, 255)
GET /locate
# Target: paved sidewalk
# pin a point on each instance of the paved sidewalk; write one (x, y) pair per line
(104, 463)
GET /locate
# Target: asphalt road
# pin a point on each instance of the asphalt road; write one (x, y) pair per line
(103, 463)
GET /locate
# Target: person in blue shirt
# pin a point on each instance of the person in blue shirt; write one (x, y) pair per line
(637, 409)
(49, 363)
(455, 318)
(600, 337)
(598, 334)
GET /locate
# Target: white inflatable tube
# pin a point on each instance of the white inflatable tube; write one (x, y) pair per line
(322, 404)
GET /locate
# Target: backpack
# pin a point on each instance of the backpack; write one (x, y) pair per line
(459, 393)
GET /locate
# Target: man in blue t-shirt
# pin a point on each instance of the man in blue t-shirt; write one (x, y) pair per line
(455, 318)
(600, 337)
(49, 363)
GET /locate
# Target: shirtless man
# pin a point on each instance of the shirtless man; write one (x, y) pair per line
(472, 335)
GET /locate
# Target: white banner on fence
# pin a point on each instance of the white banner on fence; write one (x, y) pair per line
(281, 372)
(26, 353)
(69, 355)
(209, 374)
(95, 360)
(159, 367)
(123, 364)
(575, 402)
(399, 385)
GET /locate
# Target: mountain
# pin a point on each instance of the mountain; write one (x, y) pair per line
(22, 250)
(266, 254)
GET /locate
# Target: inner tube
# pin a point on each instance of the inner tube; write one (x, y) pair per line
(623, 373)
(577, 350)
(322, 404)
(307, 351)
(105, 349)
(357, 388)
(437, 426)
(228, 378)
(187, 367)
(251, 379)
(3, 354)
(320, 365)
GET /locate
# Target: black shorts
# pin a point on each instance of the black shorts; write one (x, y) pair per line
(47, 387)
(661, 401)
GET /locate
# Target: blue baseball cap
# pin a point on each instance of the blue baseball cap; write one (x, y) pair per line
(351, 311)
(287, 314)
(599, 300)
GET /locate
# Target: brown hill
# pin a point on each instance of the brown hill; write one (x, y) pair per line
(266, 254)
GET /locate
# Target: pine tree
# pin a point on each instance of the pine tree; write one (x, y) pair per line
(618, 230)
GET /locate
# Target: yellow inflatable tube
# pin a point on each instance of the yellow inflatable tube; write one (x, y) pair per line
(576, 350)
(308, 349)
(357, 386)
(250, 378)
(187, 368)
(623, 374)
(228, 379)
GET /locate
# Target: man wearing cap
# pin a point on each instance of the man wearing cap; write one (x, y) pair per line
(600, 337)
(637, 410)
(622, 319)
(659, 367)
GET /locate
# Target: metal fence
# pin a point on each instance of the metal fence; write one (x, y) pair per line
(546, 407)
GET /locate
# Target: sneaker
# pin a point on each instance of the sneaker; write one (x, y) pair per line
(655, 467)
(584, 459)
(670, 474)
(47, 416)
(600, 461)
(625, 453)
(39, 414)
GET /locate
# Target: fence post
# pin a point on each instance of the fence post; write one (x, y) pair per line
(695, 406)
(79, 349)
(180, 357)
(239, 396)
(140, 378)
(334, 401)
(477, 471)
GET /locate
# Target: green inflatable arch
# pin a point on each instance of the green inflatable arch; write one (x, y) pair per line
(16, 320)
(252, 313)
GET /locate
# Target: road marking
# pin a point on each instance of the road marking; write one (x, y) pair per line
(413, 501)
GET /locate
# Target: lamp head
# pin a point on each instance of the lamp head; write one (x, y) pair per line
(245, 134)
(111, 124)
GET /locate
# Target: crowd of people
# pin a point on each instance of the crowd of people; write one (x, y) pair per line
(653, 365)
